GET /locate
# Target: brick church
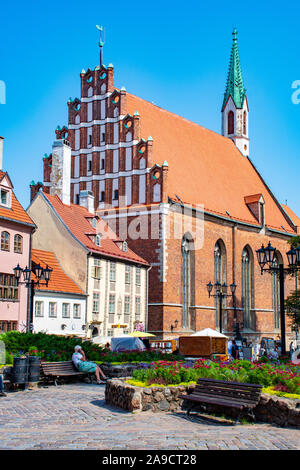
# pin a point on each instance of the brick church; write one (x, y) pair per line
(188, 200)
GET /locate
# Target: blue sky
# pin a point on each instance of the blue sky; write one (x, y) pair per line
(174, 54)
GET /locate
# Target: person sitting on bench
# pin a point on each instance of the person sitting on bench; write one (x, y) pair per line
(83, 365)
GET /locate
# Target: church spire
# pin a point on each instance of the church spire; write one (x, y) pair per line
(234, 85)
(235, 106)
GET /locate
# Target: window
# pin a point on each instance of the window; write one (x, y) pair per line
(90, 165)
(127, 305)
(127, 274)
(76, 311)
(112, 273)
(18, 242)
(98, 240)
(110, 333)
(116, 194)
(112, 304)
(39, 308)
(8, 325)
(185, 280)
(137, 306)
(138, 276)
(220, 273)
(95, 302)
(247, 288)
(102, 137)
(90, 139)
(102, 196)
(230, 122)
(5, 241)
(125, 246)
(8, 287)
(52, 309)
(96, 269)
(66, 310)
(275, 293)
(245, 123)
(102, 164)
(4, 197)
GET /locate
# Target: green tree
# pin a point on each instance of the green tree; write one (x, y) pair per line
(292, 305)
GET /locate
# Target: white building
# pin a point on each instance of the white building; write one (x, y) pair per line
(60, 307)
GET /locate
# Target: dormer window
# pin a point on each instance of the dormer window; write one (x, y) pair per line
(256, 205)
(98, 240)
(125, 246)
(94, 222)
(4, 197)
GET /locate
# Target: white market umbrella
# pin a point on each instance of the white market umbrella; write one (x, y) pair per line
(101, 339)
(209, 332)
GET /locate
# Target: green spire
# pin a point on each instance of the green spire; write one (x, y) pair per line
(234, 86)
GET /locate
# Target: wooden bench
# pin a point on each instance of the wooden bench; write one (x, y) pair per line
(55, 370)
(228, 394)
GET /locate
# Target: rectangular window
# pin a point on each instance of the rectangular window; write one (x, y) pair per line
(116, 194)
(127, 305)
(8, 287)
(66, 310)
(39, 308)
(76, 311)
(112, 304)
(102, 196)
(127, 274)
(110, 333)
(52, 309)
(102, 164)
(96, 302)
(96, 269)
(137, 306)
(112, 273)
(138, 276)
(3, 197)
(102, 137)
(90, 165)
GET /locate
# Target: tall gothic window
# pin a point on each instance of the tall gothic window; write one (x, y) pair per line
(230, 123)
(220, 275)
(185, 280)
(275, 294)
(246, 288)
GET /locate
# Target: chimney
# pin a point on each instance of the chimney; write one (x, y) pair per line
(1, 151)
(87, 200)
(61, 170)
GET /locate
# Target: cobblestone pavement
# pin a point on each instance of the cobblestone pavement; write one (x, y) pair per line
(75, 416)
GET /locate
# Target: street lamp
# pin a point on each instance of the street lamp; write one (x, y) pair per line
(220, 292)
(43, 276)
(265, 257)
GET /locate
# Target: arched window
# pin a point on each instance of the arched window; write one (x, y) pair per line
(247, 288)
(230, 122)
(275, 293)
(245, 123)
(220, 272)
(18, 244)
(5, 241)
(185, 280)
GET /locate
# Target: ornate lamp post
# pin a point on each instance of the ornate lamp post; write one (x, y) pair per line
(220, 291)
(265, 257)
(43, 276)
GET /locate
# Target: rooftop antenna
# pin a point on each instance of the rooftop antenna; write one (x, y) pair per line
(101, 42)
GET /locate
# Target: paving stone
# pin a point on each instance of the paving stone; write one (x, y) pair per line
(75, 416)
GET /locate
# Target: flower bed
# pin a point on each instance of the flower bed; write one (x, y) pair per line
(266, 374)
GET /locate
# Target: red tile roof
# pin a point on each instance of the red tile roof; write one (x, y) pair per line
(292, 215)
(16, 212)
(205, 167)
(75, 218)
(59, 281)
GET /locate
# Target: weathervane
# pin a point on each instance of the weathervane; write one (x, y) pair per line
(101, 42)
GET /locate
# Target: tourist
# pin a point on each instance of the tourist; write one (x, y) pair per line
(2, 393)
(83, 365)
(234, 350)
(230, 347)
(291, 349)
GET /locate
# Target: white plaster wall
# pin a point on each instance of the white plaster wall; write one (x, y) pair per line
(53, 325)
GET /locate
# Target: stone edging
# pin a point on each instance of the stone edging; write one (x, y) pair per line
(270, 409)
